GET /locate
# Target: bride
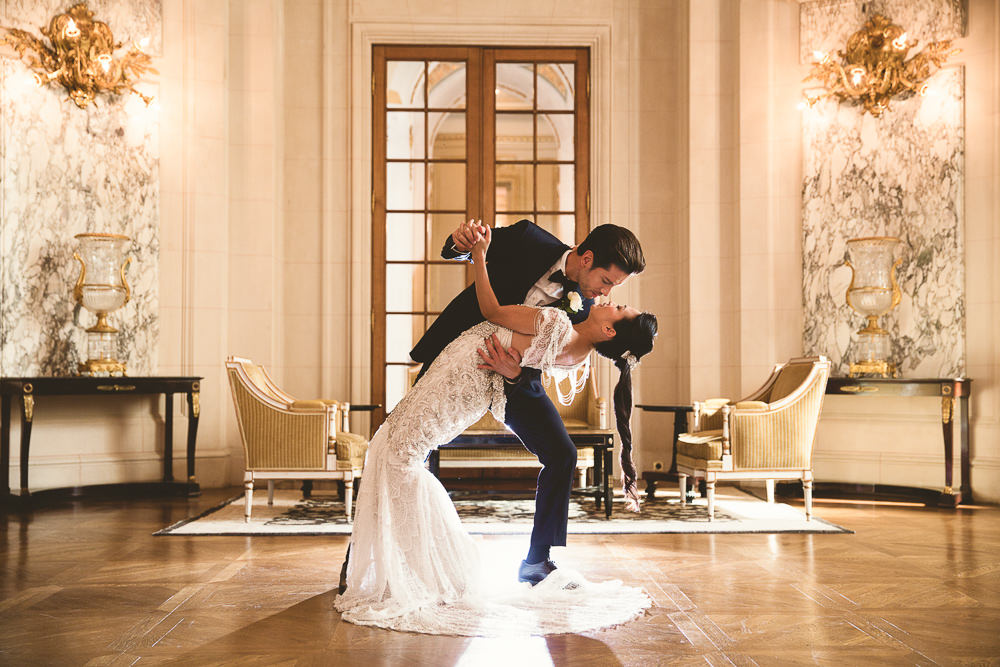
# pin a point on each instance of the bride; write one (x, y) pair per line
(413, 566)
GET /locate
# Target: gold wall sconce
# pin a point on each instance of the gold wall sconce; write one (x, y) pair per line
(80, 56)
(874, 69)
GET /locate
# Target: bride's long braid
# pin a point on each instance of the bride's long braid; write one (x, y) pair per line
(633, 339)
(623, 416)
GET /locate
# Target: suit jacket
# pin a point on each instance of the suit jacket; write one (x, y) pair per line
(517, 257)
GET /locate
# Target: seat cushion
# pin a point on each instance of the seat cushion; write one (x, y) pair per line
(705, 445)
(350, 448)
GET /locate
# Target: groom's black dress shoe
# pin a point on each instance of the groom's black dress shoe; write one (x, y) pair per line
(535, 572)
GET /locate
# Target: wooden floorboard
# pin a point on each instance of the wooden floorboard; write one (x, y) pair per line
(86, 583)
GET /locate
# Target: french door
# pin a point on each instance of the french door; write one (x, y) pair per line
(497, 134)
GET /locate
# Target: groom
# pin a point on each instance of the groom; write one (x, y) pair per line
(529, 266)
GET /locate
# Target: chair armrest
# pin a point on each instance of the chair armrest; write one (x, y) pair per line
(708, 414)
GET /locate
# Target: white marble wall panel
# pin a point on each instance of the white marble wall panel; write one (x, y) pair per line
(898, 175)
(65, 171)
(825, 25)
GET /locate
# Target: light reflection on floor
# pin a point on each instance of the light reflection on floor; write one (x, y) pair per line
(508, 651)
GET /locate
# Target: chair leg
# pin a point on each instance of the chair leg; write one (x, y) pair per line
(710, 492)
(348, 497)
(769, 485)
(248, 492)
(682, 481)
(581, 478)
(270, 492)
(807, 494)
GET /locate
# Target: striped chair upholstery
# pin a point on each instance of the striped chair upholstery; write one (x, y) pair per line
(768, 435)
(287, 438)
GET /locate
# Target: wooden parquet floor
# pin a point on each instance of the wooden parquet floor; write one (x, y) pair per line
(87, 584)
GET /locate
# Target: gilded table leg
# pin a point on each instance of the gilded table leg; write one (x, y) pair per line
(948, 496)
(27, 414)
(168, 437)
(194, 411)
(5, 444)
(963, 406)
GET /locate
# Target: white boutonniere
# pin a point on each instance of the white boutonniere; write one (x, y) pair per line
(571, 302)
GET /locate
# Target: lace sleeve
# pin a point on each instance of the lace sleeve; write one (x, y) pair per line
(552, 332)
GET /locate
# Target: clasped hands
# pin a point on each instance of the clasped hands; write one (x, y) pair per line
(497, 358)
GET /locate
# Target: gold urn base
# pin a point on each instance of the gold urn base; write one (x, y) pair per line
(872, 367)
(101, 367)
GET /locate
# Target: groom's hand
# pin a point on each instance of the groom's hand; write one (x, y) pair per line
(467, 235)
(506, 362)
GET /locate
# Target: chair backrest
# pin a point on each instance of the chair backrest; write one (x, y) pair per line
(784, 439)
(273, 437)
(790, 377)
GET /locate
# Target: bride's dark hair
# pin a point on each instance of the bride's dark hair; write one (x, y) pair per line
(633, 339)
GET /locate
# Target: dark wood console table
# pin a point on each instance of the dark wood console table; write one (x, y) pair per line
(25, 391)
(948, 389)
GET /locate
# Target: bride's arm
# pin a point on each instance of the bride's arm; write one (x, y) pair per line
(515, 317)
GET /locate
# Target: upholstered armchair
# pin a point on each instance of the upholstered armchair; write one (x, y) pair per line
(287, 438)
(767, 435)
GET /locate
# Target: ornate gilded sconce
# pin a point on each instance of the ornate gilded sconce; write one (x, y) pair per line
(874, 69)
(873, 292)
(81, 57)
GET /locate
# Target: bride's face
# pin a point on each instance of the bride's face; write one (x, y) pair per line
(607, 315)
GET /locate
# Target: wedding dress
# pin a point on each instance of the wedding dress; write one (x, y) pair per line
(412, 565)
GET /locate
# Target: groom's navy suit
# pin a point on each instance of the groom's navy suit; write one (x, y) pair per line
(517, 257)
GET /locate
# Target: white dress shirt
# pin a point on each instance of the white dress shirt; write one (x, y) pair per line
(545, 291)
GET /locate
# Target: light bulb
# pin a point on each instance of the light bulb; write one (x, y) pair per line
(71, 29)
(900, 42)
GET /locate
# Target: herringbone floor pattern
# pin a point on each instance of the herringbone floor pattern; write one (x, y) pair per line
(87, 584)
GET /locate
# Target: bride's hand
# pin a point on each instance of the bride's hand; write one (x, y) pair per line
(483, 244)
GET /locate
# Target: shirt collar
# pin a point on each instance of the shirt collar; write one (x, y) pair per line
(555, 289)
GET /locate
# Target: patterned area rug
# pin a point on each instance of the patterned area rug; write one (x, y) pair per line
(735, 512)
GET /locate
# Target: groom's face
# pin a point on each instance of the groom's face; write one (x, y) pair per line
(595, 282)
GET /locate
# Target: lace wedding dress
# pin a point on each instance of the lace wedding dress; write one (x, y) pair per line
(412, 565)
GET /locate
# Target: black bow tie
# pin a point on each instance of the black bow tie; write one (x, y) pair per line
(560, 277)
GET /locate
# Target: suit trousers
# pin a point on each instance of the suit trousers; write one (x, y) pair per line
(533, 418)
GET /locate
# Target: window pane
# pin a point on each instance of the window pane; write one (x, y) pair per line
(404, 236)
(404, 83)
(555, 86)
(502, 220)
(404, 287)
(398, 380)
(555, 187)
(515, 86)
(447, 85)
(562, 227)
(404, 135)
(401, 333)
(445, 282)
(404, 186)
(447, 132)
(440, 228)
(447, 185)
(515, 187)
(514, 136)
(555, 136)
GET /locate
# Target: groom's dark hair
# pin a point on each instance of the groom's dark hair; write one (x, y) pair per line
(616, 245)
